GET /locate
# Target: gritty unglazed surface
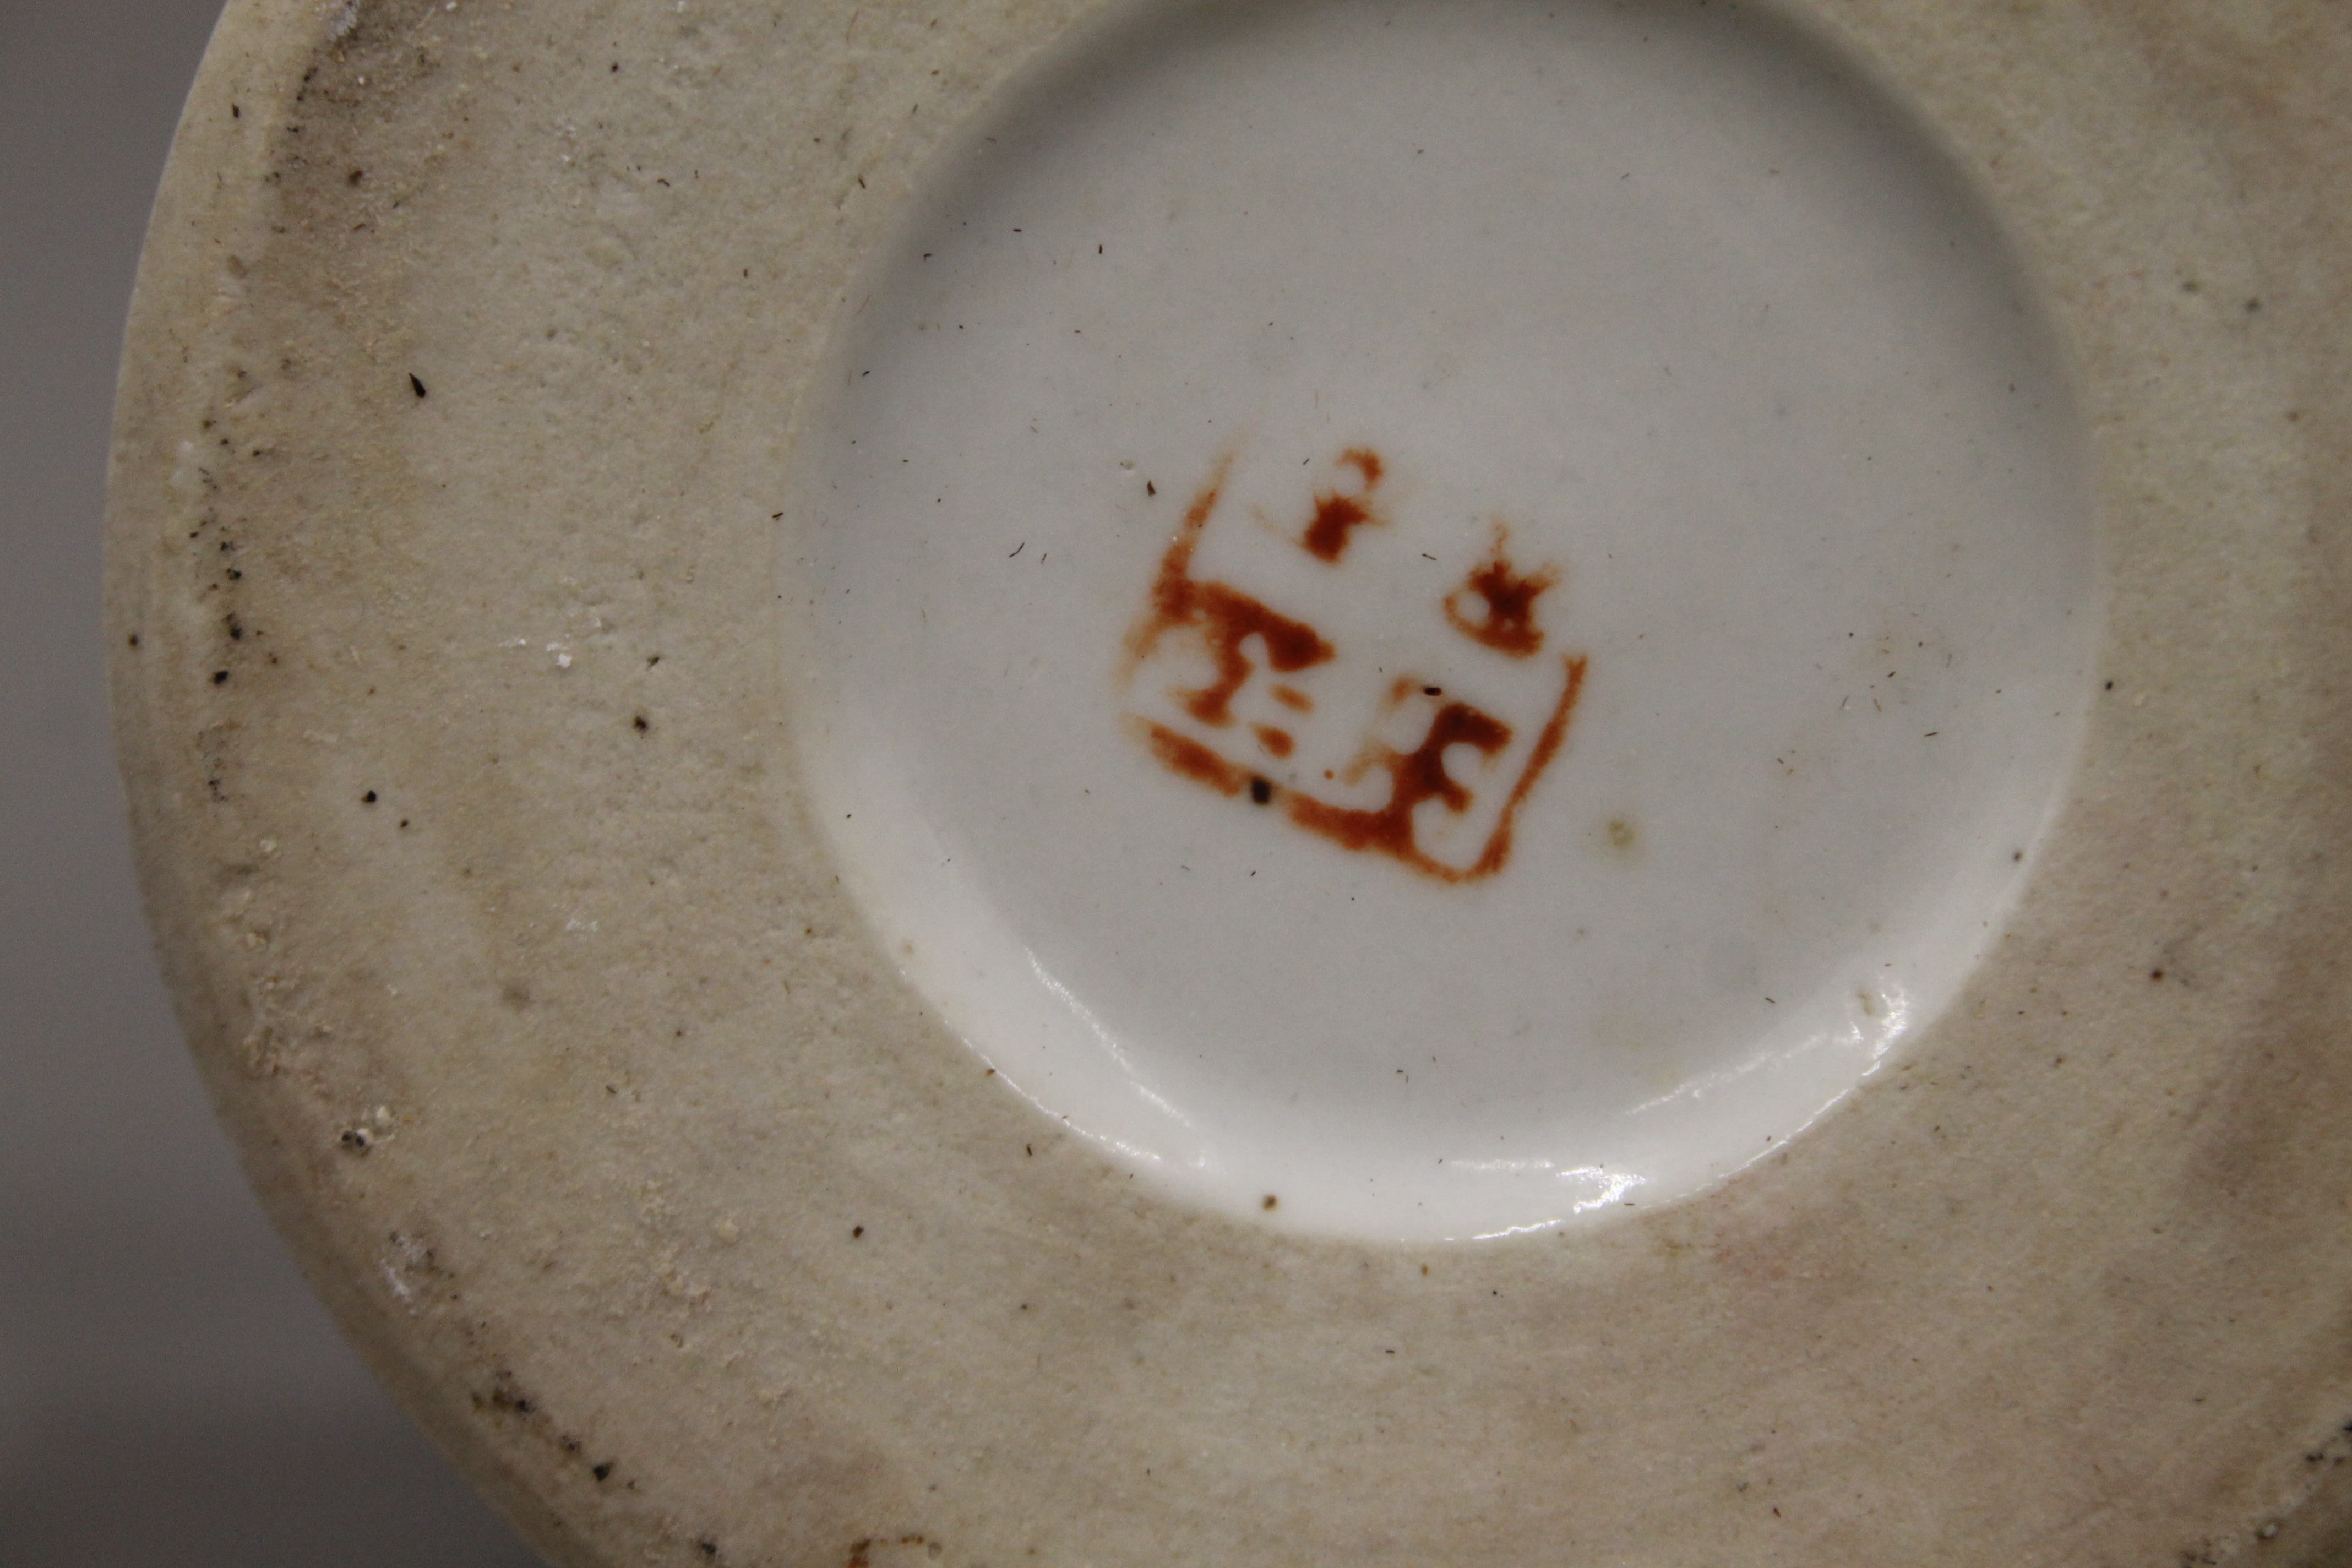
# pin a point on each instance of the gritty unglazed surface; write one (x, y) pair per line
(452, 701)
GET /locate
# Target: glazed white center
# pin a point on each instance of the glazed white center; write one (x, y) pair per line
(1457, 615)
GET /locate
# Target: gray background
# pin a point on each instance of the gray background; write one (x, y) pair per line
(169, 1392)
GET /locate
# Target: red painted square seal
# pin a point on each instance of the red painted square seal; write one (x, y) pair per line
(1308, 649)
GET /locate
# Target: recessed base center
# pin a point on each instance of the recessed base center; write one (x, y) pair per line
(1430, 619)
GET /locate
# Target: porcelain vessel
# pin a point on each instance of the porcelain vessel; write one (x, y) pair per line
(1268, 784)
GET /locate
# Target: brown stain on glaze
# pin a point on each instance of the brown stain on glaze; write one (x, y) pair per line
(1337, 517)
(1184, 755)
(1420, 774)
(1224, 616)
(1290, 697)
(1171, 590)
(1228, 619)
(1508, 625)
(1278, 742)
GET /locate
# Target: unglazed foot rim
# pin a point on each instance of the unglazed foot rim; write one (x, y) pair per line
(473, 736)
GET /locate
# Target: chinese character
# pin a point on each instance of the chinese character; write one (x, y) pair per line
(1303, 648)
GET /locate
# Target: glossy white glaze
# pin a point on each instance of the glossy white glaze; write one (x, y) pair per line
(1671, 318)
